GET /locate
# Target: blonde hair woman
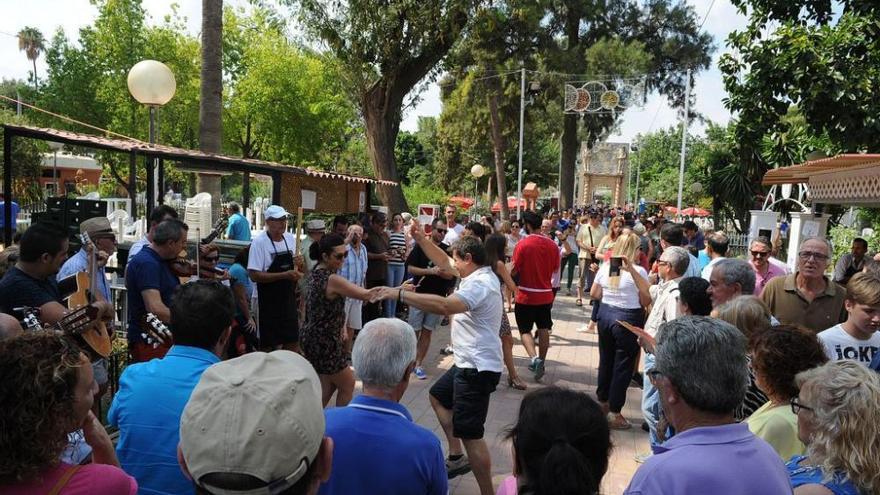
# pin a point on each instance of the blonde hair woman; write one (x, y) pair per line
(624, 293)
(838, 411)
(604, 251)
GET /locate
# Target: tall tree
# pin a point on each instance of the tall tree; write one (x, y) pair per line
(667, 30)
(211, 101)
(386, 48)
(32, 43)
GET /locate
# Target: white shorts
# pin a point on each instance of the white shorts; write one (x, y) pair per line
(353, 313)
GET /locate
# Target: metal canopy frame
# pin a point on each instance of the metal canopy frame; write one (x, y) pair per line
(194, 160)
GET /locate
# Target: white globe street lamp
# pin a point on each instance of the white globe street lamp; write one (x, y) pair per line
(477, 171)
(152, 83)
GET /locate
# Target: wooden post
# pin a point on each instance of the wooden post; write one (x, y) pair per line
(299, 229)
(7, 188)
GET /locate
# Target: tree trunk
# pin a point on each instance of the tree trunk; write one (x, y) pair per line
(34, 60)
(381, 107)
(210, 120)
(498, 151)
(569, 158)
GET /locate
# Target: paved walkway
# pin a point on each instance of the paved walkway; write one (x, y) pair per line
(571, 362)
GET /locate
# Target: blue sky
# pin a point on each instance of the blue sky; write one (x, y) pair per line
(48, 15)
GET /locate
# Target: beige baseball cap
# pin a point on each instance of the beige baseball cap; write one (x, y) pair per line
(260, 415)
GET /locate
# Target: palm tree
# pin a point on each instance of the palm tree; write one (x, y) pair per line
(210, 120)
(32, 43)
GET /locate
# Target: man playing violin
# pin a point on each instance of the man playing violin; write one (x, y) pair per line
(150, 283)
(157, 216)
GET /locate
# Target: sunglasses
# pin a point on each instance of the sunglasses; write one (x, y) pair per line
(442, 231)
(760, 254)
(806, 255)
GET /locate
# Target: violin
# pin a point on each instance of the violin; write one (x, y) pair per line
(184, 267)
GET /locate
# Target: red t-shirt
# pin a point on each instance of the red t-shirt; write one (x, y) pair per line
(88, 480)
(535, 258)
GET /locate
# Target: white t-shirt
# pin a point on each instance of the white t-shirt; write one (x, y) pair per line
(707, 270)
(475, 339)
(840, 345)
(453, 234)
(136, 247)
(626, 295)
(262, 252)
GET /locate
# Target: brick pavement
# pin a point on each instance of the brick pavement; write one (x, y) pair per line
(571, 362)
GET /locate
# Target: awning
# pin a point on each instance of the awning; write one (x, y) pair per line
(800, 174)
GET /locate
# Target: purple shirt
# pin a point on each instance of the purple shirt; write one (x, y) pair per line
(761, 280)
(726, 459)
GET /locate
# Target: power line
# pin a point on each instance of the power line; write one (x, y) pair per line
(706, 16)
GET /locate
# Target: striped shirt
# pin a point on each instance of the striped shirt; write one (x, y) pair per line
(354, 265)
(397, 248)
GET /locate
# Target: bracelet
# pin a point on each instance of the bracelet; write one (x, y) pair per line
(399, 295)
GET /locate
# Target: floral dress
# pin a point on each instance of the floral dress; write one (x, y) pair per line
(320, 336)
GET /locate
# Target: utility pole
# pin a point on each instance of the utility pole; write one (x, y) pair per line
(684, 131)
(522, 113)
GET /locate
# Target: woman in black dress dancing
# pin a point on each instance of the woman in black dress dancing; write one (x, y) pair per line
(323, 335)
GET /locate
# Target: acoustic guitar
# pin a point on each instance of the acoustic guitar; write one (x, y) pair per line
(95, 335)
(155, 332)
(76, 323)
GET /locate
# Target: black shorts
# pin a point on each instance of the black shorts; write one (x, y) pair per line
(465, 391)
(528, 315)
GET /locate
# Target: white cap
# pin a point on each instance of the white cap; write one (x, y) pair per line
(275, 212)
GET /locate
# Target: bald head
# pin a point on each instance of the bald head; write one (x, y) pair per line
(9, 327)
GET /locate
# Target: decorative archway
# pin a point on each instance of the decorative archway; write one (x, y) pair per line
(605, 165)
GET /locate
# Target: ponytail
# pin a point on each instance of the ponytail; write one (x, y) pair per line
(565, 471)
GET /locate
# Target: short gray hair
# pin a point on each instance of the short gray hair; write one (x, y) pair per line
(819, 239)
(169, 231)
(384, 348)
(678, 259)
(737, 271)
(234, 207)
(705, 359)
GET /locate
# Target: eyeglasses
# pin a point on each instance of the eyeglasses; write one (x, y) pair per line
(806, 255)
(211, 259)
(442, 231)
(760, 254)
(796, 406)
(340, 256)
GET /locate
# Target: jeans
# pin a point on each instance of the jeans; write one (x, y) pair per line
(586, 276)
(394, 279)
(571, 260)
(618, 350)
(650, 402)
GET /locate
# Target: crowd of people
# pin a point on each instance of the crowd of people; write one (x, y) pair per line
(755, 378)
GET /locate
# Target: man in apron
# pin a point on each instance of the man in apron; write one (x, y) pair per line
(275, 268)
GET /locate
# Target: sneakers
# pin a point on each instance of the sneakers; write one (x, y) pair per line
(457, 467)
(537, 367)
(532, 364)
(420, 373)
(446, 351)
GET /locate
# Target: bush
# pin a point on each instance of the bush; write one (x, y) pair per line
(841, 238)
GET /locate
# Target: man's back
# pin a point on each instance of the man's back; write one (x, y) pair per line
(379, 450)
(535, 259)
(239, 228)
(726, 459)
(147, 410)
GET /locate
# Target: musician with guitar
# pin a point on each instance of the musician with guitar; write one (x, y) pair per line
(150, 283)
(31, 282)
(273, 266)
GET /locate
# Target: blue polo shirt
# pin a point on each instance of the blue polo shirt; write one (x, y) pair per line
(147, 270)
(147, 410)
(239, 228)
(377, 449)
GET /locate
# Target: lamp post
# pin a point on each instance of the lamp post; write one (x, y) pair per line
(55, 147)
(477, 171)
(151, 83)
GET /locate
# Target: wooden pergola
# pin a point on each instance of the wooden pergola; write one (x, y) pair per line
(156, 153)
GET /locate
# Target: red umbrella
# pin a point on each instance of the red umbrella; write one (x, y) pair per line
(695, 212)
(670, 209)
(462, 201)
(511, 204)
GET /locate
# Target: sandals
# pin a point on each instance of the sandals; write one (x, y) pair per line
(516, 383)
(579, 302)
(618, 423)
